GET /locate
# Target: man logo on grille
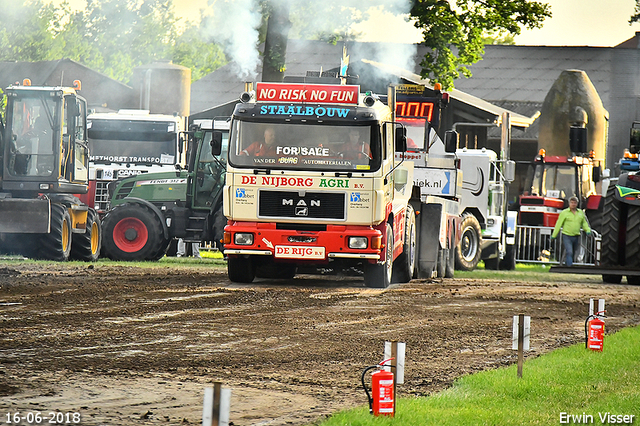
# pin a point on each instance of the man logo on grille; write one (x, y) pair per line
(302, 211)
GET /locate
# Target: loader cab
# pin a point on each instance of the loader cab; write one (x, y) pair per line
(45, 138)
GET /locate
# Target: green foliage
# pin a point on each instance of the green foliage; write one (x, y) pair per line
(570, 380)
(110, 36)
(455, 33)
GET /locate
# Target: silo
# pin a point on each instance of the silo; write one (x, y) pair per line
(561, 108)
(163, 88)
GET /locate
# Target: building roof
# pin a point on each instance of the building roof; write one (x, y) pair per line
(526, 73)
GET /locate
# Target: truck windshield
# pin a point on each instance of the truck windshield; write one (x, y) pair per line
(554, 180)
(32, 131)
(304, 146)
(128, 141)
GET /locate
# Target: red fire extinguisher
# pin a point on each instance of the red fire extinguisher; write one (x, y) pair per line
(594, 332)
(381, 399)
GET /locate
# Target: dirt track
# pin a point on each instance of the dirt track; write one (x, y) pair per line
(129, 346)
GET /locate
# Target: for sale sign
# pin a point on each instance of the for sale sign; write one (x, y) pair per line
(307, 93)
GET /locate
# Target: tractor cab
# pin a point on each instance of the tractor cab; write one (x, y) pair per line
(44, 142)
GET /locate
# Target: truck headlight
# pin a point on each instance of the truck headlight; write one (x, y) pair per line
(243, 238)
(358, 243)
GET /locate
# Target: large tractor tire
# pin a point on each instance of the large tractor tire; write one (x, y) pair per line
(405, 263)
(132, 232)
(86, 246)
(468, 250)
(632, 246)
(241, 269)
(610, 249)
(56, 245)
(378, 275)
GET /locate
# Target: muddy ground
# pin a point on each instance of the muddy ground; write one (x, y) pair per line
(133, 346)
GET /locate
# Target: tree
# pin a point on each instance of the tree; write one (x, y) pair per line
(110, 36)
(454, 33)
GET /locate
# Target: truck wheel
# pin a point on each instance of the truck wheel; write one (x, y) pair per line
(492, 264)
(56, 245)
(509, 261)
(132, 232)
(610, 229)
(86, 246)
(241, 269)
(468, 249)
(441, 266)
(378, 275)
(451, 261)
(405, 264)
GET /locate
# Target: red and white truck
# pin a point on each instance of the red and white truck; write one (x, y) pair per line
(313, 184)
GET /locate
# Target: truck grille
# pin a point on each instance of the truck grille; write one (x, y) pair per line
(309, 205)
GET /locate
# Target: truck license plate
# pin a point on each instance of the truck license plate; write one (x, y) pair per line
(299, 252)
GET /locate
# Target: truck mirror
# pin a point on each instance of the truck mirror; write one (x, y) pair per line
(216, 142)
(578, 139)
(400, 177)
(597, 174)
(401, 139)
(509, 171)
(450, 141)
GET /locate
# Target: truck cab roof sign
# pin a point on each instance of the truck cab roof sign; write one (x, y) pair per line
(307, 93)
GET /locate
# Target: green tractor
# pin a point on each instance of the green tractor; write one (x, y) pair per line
(148, 211)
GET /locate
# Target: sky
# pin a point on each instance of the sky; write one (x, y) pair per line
(601, 23)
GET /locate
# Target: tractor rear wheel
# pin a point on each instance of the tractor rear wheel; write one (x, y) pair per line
(132, 232)
(86, 246)
(610, 229)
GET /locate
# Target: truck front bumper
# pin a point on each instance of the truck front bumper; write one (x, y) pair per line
(266, 239)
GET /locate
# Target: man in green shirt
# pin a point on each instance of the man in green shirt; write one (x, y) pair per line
(571, 220)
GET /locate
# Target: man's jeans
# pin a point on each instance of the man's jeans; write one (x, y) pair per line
(571, 247)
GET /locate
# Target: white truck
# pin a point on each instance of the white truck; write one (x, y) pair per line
(488, 230)
(299, 196)
(130, 142)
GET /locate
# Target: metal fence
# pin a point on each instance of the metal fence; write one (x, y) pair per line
(534, 245)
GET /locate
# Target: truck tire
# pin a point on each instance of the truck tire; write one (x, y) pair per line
(405, 263)
(451, 261)
(441, 266)
(468, 249)
(241, 269)
(492, 264)
(132, 232)
(56, 245)
(86, 247)
(509, 261)
(378, 275)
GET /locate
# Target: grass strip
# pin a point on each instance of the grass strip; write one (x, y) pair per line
(572, 381)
